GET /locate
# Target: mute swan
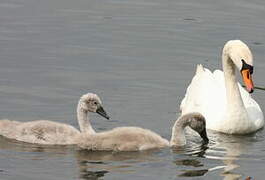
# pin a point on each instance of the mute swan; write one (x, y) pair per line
(137, 139)
(53, 133)
(226, 106)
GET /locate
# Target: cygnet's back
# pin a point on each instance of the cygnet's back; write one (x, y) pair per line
(138, 139)
(123, 139)
(40, 132)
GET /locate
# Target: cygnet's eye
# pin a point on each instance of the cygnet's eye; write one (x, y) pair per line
(95, 103)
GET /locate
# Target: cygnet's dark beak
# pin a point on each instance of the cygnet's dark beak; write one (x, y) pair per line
(204, 136)
(102, 112)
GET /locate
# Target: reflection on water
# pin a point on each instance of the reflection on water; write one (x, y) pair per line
(225, 148)
(192, 173)
(189, 162)
(102, 161)
(229, 148)
(193, 150)
(91, 175)
(101, 157)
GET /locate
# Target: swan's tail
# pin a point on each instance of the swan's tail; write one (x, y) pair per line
(199, 69)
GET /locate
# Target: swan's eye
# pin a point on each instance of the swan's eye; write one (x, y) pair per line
(95, 103)
(251, 70)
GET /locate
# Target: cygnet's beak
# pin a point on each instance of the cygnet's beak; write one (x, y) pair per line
(102, 112)
(204, 136)
(247, 80)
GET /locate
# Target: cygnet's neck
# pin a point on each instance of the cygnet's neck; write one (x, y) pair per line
(178, 133)
(83, 120)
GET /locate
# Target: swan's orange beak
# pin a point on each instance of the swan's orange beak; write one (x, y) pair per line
(247, 80)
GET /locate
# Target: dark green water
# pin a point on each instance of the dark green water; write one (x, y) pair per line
(139, 57)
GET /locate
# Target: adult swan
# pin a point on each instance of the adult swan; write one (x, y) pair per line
(227, 107)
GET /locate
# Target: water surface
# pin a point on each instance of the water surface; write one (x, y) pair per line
(138, 56)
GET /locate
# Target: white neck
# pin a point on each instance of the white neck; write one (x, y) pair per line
(83, 120)
(233, 95)
(178, 134)
(236, 111)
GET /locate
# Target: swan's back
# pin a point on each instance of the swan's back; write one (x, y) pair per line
(206, 94)
(123, 139)
(39, 132)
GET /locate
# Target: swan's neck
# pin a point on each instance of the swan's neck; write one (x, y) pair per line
(178, 133)
(83, 121)
(235, 106)
(233, 95)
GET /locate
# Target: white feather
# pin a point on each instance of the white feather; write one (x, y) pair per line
(207, 94)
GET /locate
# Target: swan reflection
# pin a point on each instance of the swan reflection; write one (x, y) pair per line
(224, 148)
(228, 149)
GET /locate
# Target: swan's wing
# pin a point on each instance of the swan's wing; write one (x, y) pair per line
(254, 111)
(206, 94)
(40, 132)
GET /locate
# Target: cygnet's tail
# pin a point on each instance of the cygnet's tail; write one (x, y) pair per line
(7, 127)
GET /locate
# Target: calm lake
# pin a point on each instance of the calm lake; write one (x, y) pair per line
(139, 56)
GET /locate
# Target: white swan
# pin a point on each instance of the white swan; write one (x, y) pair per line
(53, 133)
(137, 139)
(226, 106)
